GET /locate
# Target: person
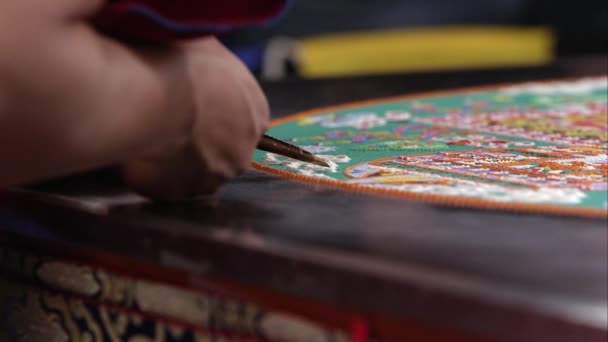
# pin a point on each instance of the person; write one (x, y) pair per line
(179, 118)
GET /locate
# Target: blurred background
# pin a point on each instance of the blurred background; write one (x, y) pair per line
(342, 38)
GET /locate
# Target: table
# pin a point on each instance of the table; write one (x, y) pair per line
(368, 265)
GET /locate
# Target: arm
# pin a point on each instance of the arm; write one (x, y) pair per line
(72, 99)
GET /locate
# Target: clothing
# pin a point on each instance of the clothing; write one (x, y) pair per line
(162, 21)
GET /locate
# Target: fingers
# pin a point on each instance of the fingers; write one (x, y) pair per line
(233, 111)
(180, 176)
(230, 114)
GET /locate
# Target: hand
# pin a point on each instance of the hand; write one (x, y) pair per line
(229, 115)
(180, 119)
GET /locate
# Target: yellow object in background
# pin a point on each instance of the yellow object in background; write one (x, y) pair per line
(446, 48)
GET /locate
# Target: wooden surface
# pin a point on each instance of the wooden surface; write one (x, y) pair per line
(492, 274)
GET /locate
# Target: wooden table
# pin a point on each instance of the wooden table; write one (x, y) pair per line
(401, 269)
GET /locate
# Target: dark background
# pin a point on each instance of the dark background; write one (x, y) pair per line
(582, 26)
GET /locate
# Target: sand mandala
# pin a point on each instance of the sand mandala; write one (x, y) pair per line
(537, 147)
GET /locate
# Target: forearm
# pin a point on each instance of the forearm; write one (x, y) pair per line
(73, 100)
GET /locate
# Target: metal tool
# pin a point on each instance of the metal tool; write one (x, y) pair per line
(274, 145)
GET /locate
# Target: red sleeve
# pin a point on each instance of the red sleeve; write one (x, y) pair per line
(162, 20)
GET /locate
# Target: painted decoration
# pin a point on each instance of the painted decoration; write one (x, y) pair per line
(539, 147)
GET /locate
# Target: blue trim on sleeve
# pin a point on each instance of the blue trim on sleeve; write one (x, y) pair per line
(140, 9)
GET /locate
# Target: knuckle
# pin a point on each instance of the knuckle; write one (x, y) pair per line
(264, 124)
(242, 161)
(242, 167)
(265, 112)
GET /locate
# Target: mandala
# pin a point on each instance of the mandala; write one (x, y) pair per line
(536, 147)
